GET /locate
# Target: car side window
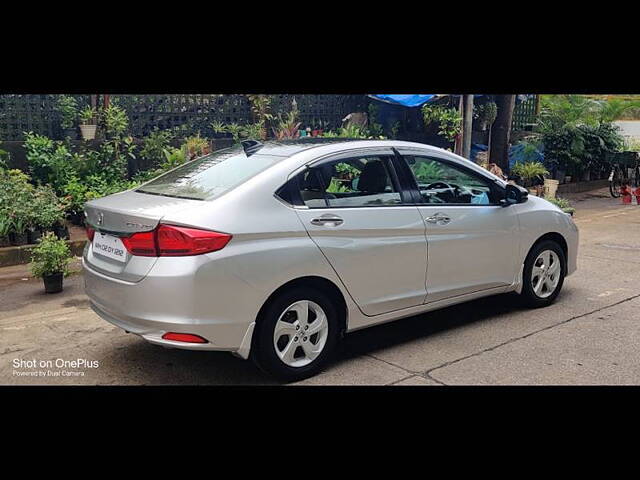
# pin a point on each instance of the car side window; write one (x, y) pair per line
(441, 182)
(363, 181)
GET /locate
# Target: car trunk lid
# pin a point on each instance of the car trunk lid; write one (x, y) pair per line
(122, 215)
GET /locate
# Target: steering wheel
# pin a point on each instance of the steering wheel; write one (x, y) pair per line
(439, 185)
(449, 193)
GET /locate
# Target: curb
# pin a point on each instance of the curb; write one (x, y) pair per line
(19, 255)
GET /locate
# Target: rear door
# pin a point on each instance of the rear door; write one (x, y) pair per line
(471, 238)
(370, 232)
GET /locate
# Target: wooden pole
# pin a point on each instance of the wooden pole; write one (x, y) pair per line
(467, 123)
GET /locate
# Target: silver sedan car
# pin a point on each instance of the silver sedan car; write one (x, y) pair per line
(274, 250)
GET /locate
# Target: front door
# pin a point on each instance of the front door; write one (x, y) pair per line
(471, 238)
(371, 234)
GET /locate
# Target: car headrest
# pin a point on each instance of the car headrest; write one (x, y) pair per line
(373, 178)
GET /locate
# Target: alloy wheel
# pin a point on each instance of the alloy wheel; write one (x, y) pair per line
(546, 273)
(300, 333)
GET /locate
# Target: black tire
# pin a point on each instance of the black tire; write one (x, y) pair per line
(615, 184)
(529, 296)
(263, 352)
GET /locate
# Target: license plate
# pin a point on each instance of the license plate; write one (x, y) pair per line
(109, 246)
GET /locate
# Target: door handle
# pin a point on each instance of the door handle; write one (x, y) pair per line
(439, 219)
(328, 220)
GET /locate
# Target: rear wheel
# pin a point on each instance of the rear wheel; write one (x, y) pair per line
(543, 275)
(615, 183)
(296, 334)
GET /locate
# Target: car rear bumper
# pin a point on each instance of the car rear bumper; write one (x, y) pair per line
(159, 304)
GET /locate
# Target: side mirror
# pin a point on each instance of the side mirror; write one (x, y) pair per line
(514, 194)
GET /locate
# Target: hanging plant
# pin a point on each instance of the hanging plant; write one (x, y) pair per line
(448, 119)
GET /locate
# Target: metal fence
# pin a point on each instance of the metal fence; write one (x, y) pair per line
(194, 113)
(524, 113)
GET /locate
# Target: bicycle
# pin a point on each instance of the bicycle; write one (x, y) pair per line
(619, 175)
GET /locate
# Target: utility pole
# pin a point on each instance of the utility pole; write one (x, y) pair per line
(466, 126)
(501, 131)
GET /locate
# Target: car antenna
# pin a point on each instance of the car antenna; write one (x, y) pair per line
(251, 146)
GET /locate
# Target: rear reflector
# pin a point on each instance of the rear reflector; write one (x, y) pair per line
(90, 233)
(174, 241)
(183, 337)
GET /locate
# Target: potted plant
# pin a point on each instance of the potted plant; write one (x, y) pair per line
(50, 260)
(88, 123)
(18, 234)
(563, 204)
(5, 227)
(529, 172)
(68, 109)
(61, 230)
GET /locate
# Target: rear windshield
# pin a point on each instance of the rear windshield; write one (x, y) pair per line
(210, 176)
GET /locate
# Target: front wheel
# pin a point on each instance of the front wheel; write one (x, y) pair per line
(543, 274)
(296, 334)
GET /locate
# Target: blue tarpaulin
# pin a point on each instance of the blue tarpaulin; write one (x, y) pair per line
(405, 100)
(517, 154)
(415, 100)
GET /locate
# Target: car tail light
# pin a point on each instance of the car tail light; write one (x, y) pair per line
(179, 241)
(90, 233)
(184, 337)
(174, 241)
(142, 244)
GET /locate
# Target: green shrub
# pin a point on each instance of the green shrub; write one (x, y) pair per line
(448, 120)
(68, 108)
(52, 255)
(16, 196)
(47, 209)
(529, 170)
(154, 145)
(115, 121)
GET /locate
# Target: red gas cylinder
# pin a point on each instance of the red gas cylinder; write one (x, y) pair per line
(625, 193)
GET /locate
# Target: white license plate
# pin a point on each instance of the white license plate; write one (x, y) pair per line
(109, 246)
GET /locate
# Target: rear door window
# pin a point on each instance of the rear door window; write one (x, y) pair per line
(363, 181)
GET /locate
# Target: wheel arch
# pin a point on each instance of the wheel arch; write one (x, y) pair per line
(311, 281)
(554, 237)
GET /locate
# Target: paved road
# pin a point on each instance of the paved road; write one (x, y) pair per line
(591, 335)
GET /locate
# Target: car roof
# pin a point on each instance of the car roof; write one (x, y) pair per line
(288, 148)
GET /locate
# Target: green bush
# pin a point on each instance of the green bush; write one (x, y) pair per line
(23, 206)
(52, 255)
(16, 196)
(68, 108)
(154, 145)
(448, 120)
(528, 171)
(115, 121)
